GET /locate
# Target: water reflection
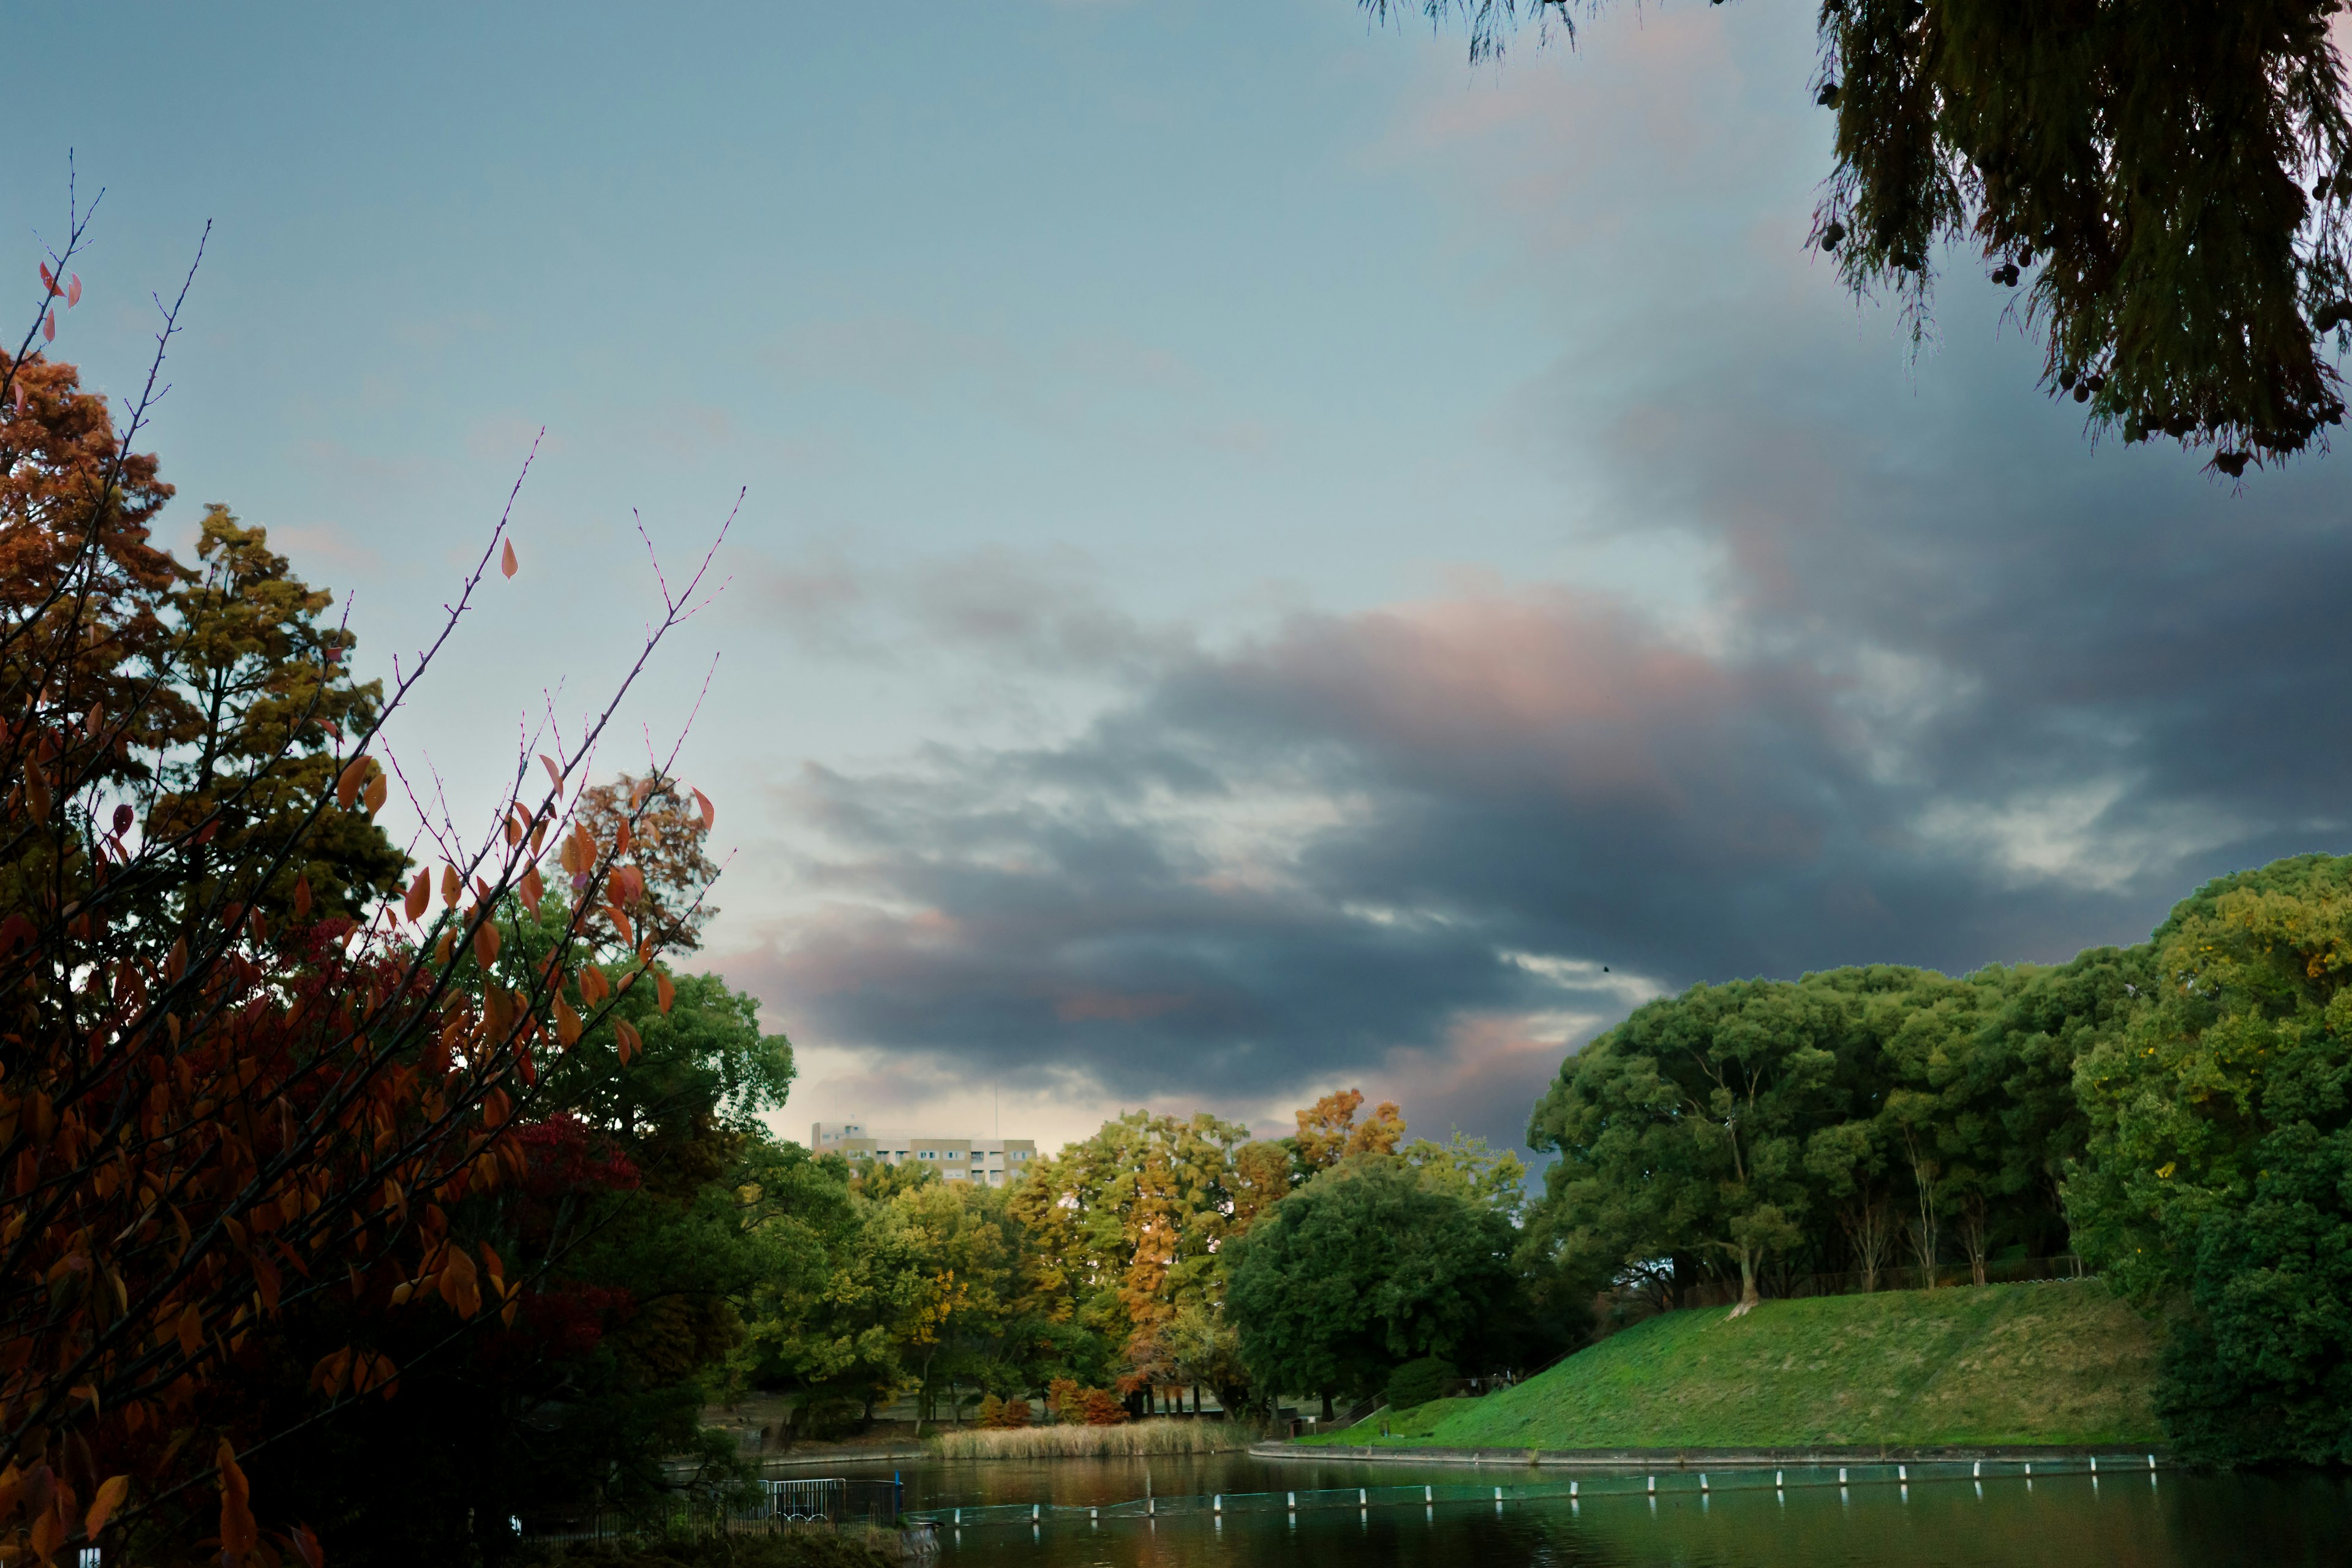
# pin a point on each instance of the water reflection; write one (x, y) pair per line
(2180, 1521)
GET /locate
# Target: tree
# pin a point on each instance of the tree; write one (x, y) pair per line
(1328, 1131)
(264, 695)
(1684, 1129)
(1365, 1268)
(1466, 1166)
(247, 1129)
(2173, 182)
(668, 833)
(2218, 1177)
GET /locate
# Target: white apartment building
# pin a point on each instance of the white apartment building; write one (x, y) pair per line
(995, 1160)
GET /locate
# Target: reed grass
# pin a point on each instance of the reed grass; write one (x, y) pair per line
(1153, 1437)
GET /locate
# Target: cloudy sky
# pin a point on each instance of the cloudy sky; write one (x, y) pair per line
(1271, 558)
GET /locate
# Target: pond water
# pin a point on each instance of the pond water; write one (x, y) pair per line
(2175, 1519)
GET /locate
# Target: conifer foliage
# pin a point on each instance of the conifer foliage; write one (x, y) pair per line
(2167, 185)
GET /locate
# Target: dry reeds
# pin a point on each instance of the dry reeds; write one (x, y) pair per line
(1072, 1442)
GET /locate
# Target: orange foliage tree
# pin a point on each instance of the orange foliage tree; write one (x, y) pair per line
(231, 1108)
(1328, 1131)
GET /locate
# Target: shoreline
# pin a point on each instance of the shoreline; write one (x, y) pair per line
(1713, 1459)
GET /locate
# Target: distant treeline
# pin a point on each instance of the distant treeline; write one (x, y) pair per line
(2178, 1113)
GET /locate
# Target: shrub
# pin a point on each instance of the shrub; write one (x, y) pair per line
(1419, 1381)
(1100, 1407)
(1016, 1414)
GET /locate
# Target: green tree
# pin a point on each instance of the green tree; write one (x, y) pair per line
(1684, 1129)
(266, 700)
(2169, 186)
(1368, 1267)
(2218, 1177)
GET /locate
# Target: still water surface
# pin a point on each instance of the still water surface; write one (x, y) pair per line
(2182, 1520)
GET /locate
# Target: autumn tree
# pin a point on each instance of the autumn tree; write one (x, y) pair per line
(2168, 187)
(227, 1134)
(665, 826)
(1328, 1131)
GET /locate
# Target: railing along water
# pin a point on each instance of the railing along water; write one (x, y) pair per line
(1574, 1490)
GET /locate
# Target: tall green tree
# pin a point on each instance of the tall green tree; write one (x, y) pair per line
(1684, 1129)
(265, 700)
(2218, 1177)
(1365, 1268)
(2167, 184)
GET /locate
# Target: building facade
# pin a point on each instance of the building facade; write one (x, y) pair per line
(996, 1161)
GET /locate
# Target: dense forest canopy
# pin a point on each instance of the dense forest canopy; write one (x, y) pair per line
(2178, 1113)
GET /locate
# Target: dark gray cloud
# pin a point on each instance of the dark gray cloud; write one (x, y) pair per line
(1959, 690)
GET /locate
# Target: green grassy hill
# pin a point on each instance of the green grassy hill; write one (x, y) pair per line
(2062, 1362)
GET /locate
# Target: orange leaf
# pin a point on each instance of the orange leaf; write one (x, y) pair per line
(50, 327)
(301, 898)
(306, 1546)
(265, 1277)
(49, 1534)
(378, 789)
(238, 1531)
(614, 914)
(444, 948)
(420, 895)
(593, 986)
(709, 811)
(533, 888)
(48, 278)
(485, 944)
(552, 771)
(191, 1329)
(101, 1507)
(492, 1261)
(348, 783)
(450, 886)
(628, 884)
(73, 292)
(622, 840)
(507, 562)
(664, 992)
(459, 1284)
(567, 1024)
(625, 1040)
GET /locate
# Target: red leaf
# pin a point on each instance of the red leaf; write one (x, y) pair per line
(664, 992)
(507, 562)
(73, 292)
(626, 1042)
(709, 811)
(48, 279)
(50, 327)
(306, 1546)
(544, 760)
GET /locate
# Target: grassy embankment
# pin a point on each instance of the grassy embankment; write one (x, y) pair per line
(1156, 1436)
(2057, 1363)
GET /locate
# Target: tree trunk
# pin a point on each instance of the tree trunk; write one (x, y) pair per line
(1972, 1234)
(1327, 1405)
(1748, 1296)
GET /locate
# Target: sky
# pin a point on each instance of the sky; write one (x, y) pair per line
(1269, 558)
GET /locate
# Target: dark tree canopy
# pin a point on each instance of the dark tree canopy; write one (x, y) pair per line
(2166, 181)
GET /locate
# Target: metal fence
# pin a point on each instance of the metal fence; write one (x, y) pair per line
(1575, 1491)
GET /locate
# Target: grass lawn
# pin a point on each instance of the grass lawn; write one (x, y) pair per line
(2059, 1362)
